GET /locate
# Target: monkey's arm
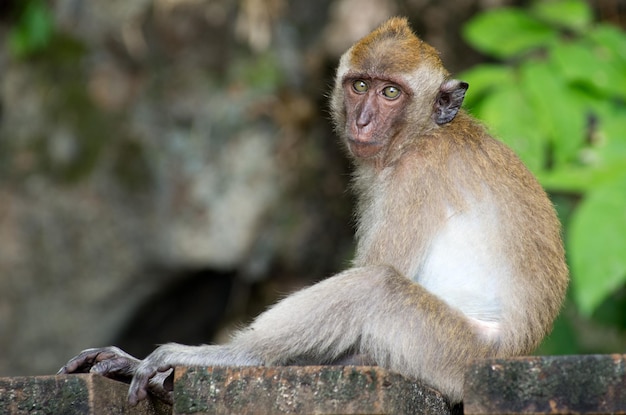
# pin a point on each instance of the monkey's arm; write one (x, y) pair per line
(370, 310)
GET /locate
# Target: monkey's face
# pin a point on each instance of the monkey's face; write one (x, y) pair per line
(374, 109)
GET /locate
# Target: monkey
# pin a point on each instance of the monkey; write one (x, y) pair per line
(458, 255)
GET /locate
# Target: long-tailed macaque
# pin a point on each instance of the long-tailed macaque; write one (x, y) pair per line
(458, 257)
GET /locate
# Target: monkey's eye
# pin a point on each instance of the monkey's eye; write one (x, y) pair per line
(391, 92)
(360, 86)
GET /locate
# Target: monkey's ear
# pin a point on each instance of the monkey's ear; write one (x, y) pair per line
(449, 100)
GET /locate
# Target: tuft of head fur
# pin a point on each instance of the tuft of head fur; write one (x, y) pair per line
(392, 48)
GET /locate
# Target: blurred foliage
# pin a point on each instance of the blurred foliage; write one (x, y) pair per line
(557, 96)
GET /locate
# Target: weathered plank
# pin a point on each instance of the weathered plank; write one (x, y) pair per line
(301, 390)
(587, 384)
(71, 395)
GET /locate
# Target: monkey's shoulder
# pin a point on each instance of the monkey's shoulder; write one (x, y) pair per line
(469, 143)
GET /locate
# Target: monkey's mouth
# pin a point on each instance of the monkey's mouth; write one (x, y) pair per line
(364, 149)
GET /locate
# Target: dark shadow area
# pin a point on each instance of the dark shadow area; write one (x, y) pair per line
(189, 310)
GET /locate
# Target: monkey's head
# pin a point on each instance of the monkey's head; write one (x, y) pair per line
(390, 88)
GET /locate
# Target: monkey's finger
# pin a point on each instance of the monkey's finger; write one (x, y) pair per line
(162, 385)
(113, 365)
(83, 362)
(168, 382)
(80, 363)
(138, 390)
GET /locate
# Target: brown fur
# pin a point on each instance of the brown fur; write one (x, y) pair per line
(378, 51)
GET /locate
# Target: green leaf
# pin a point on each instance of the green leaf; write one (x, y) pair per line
(589, 66)
(612, 311)
(558, 114)
(261, 73)
(611, 40)
(506, 32)
(609, 138)
(482, 79)
(571, 14)
(562, 340)
(597, 244)
(507, 113)
(33, 30)
(579, 179)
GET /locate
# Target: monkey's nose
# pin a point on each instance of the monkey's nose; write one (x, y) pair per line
(364, 118)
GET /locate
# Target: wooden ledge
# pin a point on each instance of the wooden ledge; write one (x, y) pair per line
(71, 395)
(584, 384)
(230, 390)
(301, 390)
(593, 384)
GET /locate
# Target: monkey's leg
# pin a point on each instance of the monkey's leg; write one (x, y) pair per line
(369, 310)
(417, 334)
(377, 312)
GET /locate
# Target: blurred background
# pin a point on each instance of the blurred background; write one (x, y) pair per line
(168, 167)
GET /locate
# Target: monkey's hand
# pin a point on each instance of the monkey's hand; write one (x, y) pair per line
(154, 374)
(114, 363)
(111, 362)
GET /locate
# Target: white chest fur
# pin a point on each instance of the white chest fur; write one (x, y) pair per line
(465, 266)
